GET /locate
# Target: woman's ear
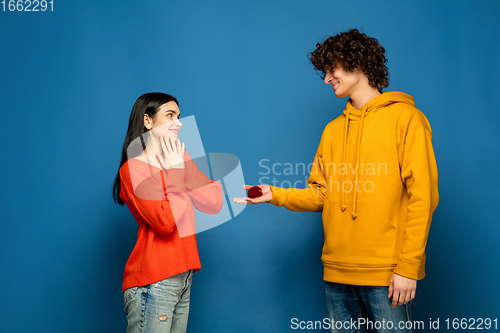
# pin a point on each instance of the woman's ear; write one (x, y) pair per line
(147, 122)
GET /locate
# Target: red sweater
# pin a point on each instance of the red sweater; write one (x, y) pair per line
(158, 199)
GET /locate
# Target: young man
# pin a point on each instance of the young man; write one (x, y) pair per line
(374, 178)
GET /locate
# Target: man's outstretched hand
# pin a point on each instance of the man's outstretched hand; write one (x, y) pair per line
(266, 196)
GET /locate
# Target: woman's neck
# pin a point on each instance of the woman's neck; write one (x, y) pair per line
(149, 154)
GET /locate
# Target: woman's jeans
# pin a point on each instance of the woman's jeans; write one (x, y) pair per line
(159, 307)
(353, 309)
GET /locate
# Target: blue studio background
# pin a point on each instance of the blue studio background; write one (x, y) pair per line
(69, 79)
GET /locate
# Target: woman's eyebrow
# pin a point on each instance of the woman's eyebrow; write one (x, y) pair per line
(174, 112)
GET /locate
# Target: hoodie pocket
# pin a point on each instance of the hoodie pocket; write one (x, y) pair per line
(367, 241)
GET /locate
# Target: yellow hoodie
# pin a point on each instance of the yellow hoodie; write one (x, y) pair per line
(384, 150)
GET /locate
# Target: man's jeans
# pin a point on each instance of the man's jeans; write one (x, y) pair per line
(353, 309)
(159, 307)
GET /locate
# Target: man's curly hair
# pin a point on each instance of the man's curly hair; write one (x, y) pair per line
(351, 50)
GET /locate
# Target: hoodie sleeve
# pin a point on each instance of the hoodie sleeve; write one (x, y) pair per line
(419, 174)
(309, 199)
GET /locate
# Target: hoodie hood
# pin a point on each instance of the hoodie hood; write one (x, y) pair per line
(381, 101)
(374, 105)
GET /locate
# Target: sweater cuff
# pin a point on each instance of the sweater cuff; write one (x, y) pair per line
(174, 180)
(408, 269)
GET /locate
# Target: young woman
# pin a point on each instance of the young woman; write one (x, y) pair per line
(160, 184)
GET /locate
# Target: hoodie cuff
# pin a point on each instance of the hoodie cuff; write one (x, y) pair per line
(408, 269)
(279, 197)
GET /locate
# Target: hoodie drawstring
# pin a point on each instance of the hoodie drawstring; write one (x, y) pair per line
(356, 178)
(346, 129)
(358, 148)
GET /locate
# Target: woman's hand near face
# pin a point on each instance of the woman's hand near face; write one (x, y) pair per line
(173, 153)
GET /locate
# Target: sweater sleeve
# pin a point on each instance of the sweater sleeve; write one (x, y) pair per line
(206, 194)
(309, 199)
(419, 173)
(149, 199)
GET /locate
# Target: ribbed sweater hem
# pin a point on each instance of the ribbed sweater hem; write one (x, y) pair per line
(148, 278)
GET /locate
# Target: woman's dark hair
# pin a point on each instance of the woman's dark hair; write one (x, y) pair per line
(146, 104)
(351, 50)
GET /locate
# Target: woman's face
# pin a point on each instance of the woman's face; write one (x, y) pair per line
(166, 121)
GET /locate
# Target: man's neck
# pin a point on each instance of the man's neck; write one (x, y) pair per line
(363, 96)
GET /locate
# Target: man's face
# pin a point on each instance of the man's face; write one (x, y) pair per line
(344, 83)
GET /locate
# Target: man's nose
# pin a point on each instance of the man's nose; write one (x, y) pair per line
(328, 78)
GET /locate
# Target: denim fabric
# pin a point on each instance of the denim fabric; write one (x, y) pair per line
(159, 307)
(368, 307)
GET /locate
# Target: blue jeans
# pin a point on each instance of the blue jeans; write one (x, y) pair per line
(159, 307)
(354, 309)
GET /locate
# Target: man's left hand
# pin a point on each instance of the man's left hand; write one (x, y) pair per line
(401, 289)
